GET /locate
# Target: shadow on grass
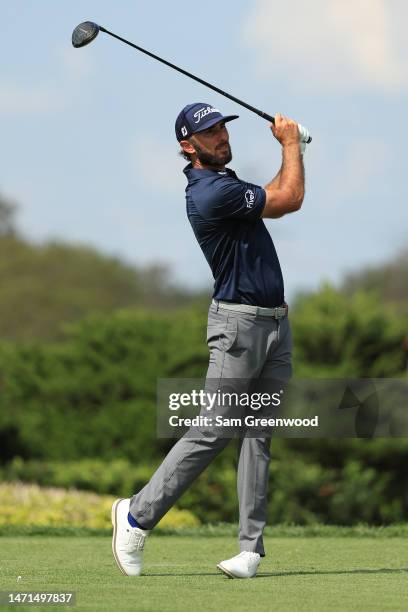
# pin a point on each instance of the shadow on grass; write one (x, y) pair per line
(382, 570)
(179, 574)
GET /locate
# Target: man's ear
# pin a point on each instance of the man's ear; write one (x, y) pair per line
(187, 146)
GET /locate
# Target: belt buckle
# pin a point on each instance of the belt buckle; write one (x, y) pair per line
(275, 315)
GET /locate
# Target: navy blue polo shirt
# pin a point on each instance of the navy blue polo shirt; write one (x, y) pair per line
(225, 214)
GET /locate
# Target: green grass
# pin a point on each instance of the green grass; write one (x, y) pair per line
(320, 573)
(222, 529)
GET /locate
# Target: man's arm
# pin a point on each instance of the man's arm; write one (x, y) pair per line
(275, 182)
(285, 193)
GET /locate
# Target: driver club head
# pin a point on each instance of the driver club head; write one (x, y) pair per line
(84, 33)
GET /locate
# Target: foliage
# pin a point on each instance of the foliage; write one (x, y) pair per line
(45, 287)
(389, 281)
(93, 397)
(8, 212)
(337, 336)
(343, 483)
(95, 394)
(22, 504)
(85, 338)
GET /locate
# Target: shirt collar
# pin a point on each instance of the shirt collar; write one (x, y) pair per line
(198, 173)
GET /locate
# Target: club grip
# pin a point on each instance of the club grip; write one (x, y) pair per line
(304, 134)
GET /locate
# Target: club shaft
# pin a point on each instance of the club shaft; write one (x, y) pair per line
(192, 76)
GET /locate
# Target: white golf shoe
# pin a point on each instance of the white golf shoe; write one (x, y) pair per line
(127, 541)
(243, 565)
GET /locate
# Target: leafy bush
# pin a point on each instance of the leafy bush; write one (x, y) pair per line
(338, 336)
(82, 412)
(47, 286)
(357, 486)
(22, 504)
(95, 395)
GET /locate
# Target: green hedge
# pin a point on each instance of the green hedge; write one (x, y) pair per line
(95, 394)
(336, 336)
(93, 397)
(24, 505)
(370, 483)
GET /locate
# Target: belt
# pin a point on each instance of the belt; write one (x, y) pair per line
(276, 313)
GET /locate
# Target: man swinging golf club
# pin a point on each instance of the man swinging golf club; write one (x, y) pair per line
(248, 332)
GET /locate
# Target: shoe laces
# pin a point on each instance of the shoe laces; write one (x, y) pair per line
(137, 539)
(248, 553)
(249, 556)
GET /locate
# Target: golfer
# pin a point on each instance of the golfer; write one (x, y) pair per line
(248, 331)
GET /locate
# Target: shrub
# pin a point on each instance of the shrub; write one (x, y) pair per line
(22, 504)
(365, 482)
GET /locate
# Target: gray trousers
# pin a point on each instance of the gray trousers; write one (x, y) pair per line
(242, 347)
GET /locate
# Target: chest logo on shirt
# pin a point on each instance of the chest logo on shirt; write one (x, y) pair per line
(249, 198)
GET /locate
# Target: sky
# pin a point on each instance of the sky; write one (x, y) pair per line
(88, 145)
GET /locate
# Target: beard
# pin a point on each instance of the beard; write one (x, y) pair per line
(218, 159)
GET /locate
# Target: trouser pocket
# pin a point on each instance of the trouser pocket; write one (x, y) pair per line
(222, 334)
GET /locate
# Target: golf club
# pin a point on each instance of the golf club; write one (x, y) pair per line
(87, 31)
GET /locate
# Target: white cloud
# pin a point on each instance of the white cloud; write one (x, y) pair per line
(331, 44)
(158, 165)
(26, 100)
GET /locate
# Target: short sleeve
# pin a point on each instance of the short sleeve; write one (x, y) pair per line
(230, 198)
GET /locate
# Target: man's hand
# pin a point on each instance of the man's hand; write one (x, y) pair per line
(283, 130)
(285, 193)
(286, 131)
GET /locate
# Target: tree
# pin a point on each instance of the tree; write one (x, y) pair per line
(339, 336)
(7, 217)
(44, 287)
(389, 280)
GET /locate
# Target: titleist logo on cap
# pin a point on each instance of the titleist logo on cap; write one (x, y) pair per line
(203, 112)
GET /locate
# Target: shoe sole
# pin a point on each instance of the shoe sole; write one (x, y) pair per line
(114, 523)
(230, 575)
(225, 571)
